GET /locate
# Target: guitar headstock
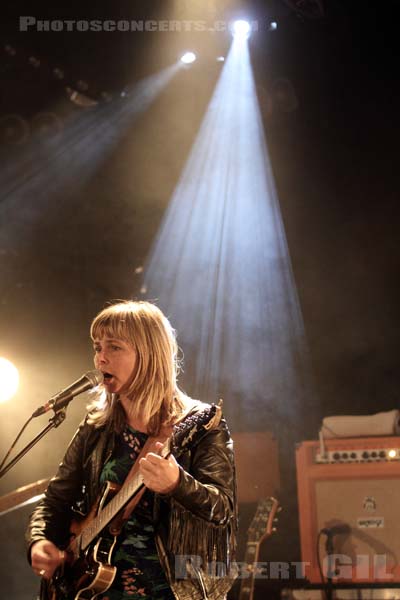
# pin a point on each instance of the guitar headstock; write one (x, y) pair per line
(262, 525)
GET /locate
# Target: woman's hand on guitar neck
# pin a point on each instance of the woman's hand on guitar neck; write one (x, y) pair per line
(45, 558)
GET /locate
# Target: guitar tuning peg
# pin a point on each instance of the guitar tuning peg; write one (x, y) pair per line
(279, 509)
(274, 530)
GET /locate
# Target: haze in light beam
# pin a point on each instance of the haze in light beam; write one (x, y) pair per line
(220, 266)
(53, 168)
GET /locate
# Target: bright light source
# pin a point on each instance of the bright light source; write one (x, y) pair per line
(241, 29)
(188, 58)
(273, 26)
(9, 379)
(392, 453)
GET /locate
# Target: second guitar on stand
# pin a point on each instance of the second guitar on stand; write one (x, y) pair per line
(262, 526)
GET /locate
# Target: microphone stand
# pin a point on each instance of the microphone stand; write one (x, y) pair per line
(54, 422)
(329, 552)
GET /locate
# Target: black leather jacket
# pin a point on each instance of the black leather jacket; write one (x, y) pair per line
(197, 519)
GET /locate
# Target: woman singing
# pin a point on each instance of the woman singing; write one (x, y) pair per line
(178, 541)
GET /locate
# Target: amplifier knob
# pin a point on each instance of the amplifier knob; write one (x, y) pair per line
(336, 456)
(365, 454)
(382, 454)
(353, 455)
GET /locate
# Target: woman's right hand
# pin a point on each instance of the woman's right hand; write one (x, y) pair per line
(45, 558)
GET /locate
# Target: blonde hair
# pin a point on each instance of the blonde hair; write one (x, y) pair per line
(155, 397)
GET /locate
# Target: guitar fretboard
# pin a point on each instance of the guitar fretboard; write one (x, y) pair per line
(251, 558)
(111, 509)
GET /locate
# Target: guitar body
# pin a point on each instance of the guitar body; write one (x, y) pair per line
(84, 575)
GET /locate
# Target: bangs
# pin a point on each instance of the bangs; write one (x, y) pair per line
(153, 393)
(110, 325)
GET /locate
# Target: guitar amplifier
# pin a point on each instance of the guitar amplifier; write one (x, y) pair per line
(252, 450)
(349, 500)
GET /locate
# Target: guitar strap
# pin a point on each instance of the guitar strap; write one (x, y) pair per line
(122, 517)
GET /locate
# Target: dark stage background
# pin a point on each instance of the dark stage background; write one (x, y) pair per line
(77, 225)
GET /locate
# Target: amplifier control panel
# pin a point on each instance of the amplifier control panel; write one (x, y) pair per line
(357, 455)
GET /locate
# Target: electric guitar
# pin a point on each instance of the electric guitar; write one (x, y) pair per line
(262, 526)
(87, 570)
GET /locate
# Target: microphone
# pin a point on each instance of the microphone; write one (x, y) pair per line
(336, 529)
(62, 399)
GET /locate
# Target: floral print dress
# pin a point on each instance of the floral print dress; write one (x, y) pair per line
(139, 573)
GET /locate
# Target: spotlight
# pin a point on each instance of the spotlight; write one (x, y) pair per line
(241, 29)
(188, 58)
(9, 379)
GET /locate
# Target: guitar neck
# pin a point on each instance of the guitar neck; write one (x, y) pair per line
(250, 559)
(261, 527)
(111, 509)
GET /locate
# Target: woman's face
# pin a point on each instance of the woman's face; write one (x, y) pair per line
(116, 359)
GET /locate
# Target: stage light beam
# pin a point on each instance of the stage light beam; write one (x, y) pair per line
(220, 266)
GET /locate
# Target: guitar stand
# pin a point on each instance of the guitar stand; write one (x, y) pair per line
(54, 422)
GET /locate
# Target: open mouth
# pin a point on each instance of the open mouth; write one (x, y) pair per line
(107, 377)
